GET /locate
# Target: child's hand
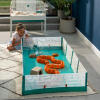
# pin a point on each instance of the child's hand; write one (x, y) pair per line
(26, 36)
(11, 48)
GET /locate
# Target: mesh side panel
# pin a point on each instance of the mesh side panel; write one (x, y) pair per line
(74, 64)
(81, 68)
(64, 46)
(33, 82)
(69, 53)
(42, 42)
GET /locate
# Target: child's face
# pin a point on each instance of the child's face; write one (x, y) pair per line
(21, 32)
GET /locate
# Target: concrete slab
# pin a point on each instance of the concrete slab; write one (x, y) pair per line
(92, 65)
(4, 37)
(49, 33)
(4, 53)
(89, 97)
(53, 95)
(82, 50)
(53, 33)
(90, 61)
(5, 94)
(6, 76)
(1, 58)
(5, 63)
(17, 58)
(17, 69)
(14, 85)
(77, 44)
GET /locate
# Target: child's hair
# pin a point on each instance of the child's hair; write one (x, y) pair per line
(19, 26)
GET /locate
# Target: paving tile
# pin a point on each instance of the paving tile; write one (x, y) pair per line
(5, 63)
(74, 40)
(1, 58)
(76, 44)
(94, 62)
(4, 36)
(83, 51)
(6, 94)
(5, 53)
(17, 58)
(71, 36)
(0, 69)
(14, 85)
(53, 33)
(3, 45)
(6, 76)
(17, 69)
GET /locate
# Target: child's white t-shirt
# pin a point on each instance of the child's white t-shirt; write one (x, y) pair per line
(17, 37)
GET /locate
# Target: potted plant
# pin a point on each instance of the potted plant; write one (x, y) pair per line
(59, 5)
(67, 23)
(51, 9)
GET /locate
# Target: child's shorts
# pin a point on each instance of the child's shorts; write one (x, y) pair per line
(18, 47)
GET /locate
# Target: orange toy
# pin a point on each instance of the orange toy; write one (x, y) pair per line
(50, 68)
(32, 55)
(55, 55)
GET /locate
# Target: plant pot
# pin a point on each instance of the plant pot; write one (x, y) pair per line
(60, 13)
(67, 26)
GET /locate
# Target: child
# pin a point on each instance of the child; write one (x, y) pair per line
(15, 43)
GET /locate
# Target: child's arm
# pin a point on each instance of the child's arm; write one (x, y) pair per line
(14, 42)
(26, 35)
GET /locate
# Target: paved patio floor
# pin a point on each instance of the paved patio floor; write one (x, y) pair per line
(9, 74)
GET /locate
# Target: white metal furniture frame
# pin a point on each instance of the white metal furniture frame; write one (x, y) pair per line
(35, 16)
